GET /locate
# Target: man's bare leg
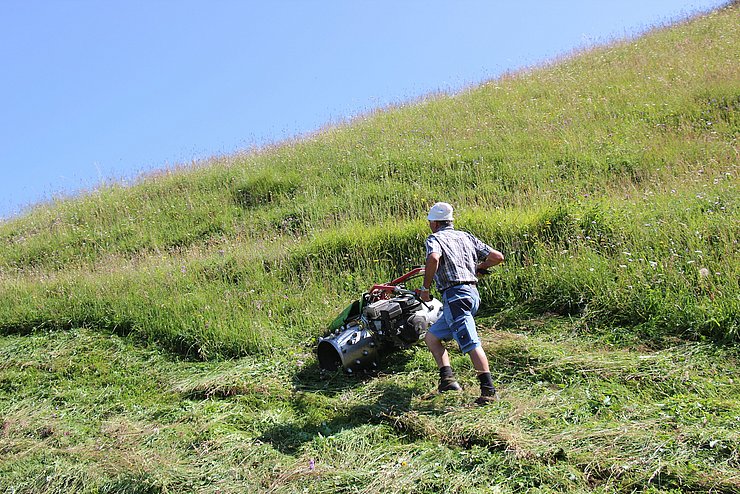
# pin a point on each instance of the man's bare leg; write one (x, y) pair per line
(479, 359)
(447, 381)
(439, 352)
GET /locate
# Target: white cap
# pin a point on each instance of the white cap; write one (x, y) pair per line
(441, 211)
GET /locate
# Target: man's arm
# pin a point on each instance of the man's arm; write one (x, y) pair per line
(430, 268)
(494, 258)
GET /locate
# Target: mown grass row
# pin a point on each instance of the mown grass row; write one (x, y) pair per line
(84, 411)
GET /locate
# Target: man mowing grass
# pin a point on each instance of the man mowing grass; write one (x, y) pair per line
(455, 259)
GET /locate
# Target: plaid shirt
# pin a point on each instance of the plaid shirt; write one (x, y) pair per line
(459, 253)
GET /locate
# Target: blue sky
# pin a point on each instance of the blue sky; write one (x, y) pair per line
(105, 90)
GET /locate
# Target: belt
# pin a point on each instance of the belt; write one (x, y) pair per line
(461, 283)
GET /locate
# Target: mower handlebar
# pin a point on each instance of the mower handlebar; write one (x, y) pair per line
(404, 291)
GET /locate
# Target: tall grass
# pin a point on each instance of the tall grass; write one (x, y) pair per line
(590, 260)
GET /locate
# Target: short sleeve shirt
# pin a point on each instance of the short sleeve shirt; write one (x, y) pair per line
(460, 252)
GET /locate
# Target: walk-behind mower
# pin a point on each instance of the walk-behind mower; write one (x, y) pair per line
(386, 318)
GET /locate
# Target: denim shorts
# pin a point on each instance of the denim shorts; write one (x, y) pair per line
(460, 304)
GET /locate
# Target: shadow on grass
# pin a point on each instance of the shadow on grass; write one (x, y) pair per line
(289, 438)
(316, 395)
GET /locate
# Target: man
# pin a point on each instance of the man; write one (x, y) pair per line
(454, 261)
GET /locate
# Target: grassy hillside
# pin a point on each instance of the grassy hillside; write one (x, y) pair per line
(157, 338)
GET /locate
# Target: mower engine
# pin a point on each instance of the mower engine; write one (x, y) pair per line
(387, 317)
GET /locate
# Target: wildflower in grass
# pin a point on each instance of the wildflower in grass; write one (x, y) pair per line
(704, 272)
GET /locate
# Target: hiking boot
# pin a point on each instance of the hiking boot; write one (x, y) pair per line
(448, 384)
(447, 381)
(487, 389)
(485, 400)
(487, 395)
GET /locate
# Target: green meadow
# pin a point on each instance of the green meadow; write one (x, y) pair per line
(159, 337)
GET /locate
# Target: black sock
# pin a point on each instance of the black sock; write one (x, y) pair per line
(486, 383)
(446, 372)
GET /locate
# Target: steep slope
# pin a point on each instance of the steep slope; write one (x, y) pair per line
(607, 179)
(158, 338)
